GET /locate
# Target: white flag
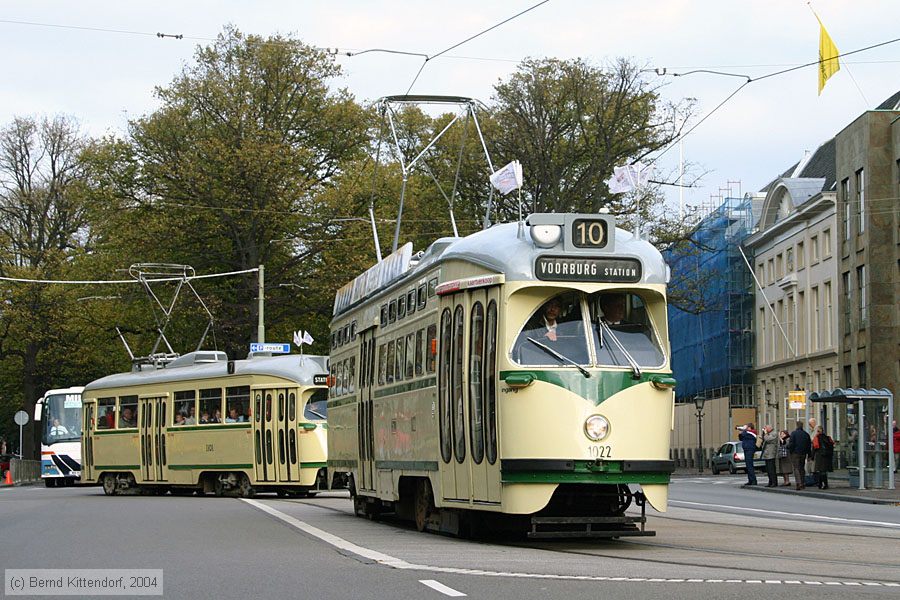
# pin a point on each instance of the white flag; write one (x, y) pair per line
(508, 178)
(298, 338)
(306, 339)
(629, 177)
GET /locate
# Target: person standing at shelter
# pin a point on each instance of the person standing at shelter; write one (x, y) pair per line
(823, 453)
(896, 445)
(748, 443)
(800, 446)
(784, 456)
(770, 454)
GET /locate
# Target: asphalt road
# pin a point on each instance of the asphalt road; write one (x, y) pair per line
(717, 541)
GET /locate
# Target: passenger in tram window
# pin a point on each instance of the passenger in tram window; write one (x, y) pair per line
(204, 417)
(613, 307)
(234, 416)
(216, 417)
(190, 418)
(179, 419)
(128, 418)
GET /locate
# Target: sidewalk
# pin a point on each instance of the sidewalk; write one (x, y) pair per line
(838, 488)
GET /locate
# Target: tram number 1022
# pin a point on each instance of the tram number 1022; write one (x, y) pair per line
(589, 233)
(596, 451)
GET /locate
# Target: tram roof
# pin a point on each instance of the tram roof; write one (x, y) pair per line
(288, 366)
(500, 249)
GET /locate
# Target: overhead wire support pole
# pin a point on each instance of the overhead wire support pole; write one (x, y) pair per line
(487, 212)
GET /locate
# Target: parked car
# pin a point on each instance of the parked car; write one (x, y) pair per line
(730, 457)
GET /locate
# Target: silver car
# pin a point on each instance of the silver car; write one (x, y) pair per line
(730, 457)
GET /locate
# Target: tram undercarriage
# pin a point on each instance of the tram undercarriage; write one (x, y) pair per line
(574, 511)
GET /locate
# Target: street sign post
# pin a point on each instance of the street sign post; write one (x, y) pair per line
(21, 418)
(274, 348)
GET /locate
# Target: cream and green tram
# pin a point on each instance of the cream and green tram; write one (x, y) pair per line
(517, 378)
(203, 423)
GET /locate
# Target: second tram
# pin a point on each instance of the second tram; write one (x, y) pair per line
(517, 378)
(203, 423)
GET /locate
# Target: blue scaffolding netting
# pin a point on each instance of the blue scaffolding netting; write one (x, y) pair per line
(711, 310)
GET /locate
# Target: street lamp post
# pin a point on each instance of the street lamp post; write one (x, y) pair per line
(698, 402)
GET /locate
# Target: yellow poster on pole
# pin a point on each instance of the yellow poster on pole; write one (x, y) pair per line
(797, 400)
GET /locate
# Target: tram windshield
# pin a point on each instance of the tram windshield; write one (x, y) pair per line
(316, 407)
(610, 329)
(62, 418)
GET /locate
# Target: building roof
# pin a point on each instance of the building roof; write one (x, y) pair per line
(892, 103)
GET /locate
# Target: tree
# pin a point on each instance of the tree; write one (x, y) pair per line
(569, 123)
(229, 172)
(42, 220)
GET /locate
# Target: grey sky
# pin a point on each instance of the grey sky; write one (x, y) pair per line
(104, 79)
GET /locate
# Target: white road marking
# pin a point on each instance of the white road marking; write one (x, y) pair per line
(440, 587)
(787, 514)
(399, 563)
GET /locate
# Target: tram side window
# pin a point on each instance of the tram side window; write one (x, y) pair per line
(422, 295)
(353, 331)
(382, 363)
(106, 413)
(340, 378)
(411, 301)
(333, 341)
(384, 315)
(476, 412)
(211, 405)
(392, 311)
(490, 383)
(444, 388)
(420, 348)
(127, 412)
(185, 409)
(410, 355)
(237, 401)
(430, 345)
(401, 307)
(432, 287)
(390, 362)
(401, 359)
(456, 377)
(351, 376)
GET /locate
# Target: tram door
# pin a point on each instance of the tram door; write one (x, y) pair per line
(364, 412)
(481, 395)
(452, 396)
(288, 468)
(87, 452)
(264, 433)
(152, 421)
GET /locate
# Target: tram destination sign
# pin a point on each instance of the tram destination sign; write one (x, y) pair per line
(598, 270)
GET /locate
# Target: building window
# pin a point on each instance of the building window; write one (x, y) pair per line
(816, 322)
(848, 382)
(779, 266)
(828, 316)
(848, 297)
(762, 335)
(779, 339)
(814, 249)
(761, 273)
(845, 214)
(774, 336)
(801, 257)
(789, 260)
(861, 293)
(860, 201)
(861, 370)
(826, 242)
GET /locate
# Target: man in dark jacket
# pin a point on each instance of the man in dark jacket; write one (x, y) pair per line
(748, 443)
(800, 446)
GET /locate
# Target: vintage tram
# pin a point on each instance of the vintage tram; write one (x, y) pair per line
(202, 423)
(517, 378)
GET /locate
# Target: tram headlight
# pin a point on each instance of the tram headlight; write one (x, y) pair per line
(596, 428)
(546, 236)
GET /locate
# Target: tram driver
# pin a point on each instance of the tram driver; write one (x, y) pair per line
(613, 307)
(557, 325)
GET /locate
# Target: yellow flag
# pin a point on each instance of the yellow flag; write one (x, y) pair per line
(828, 57)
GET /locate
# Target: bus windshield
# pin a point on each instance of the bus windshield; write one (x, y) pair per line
(609, 329)
(62, 418)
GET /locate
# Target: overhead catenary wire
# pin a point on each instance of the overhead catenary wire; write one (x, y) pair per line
(124, 281)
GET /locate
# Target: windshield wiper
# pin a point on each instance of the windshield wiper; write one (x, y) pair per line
(556, 354)
(635, 369)
(317, 413)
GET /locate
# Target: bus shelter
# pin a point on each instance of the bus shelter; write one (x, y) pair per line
(869, 416)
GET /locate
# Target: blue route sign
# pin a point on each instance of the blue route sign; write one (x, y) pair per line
(274, 348)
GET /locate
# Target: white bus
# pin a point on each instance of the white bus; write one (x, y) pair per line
(59, 413)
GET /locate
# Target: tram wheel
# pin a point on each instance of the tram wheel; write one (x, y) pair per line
(109, 485)
(245, 489)
(424, 503)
